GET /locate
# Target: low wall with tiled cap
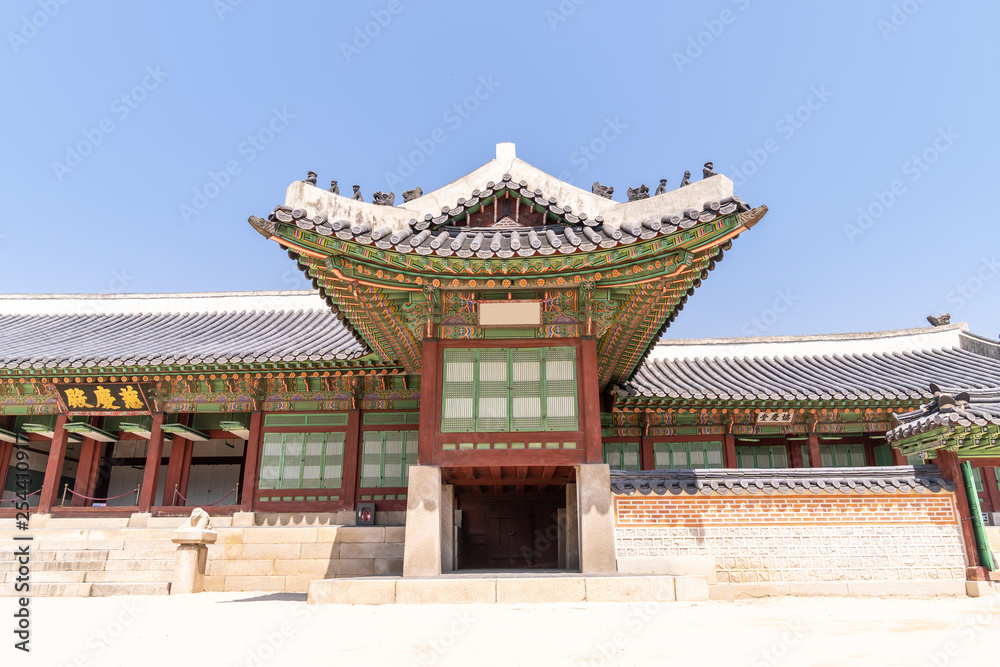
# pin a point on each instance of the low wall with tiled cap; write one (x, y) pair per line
(796, 530)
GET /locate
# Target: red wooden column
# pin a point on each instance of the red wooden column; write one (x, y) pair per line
(86, 471)
(182, 483)
(647, 455)
(814, 458)
(151, 474)
(729, 452)
(352, 455)
(588, 383)
(6, 451)
(53, 467)
(430, 397)
(992, 488)
(949, 464)
(898, 458)
(251, 466)
(180, 455)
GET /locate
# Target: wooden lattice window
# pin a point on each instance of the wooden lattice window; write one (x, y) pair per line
(701, 454)
(842, 456)
(516, 389)
(386, 457)
(762, 456)
(302, 461)
(622, 455)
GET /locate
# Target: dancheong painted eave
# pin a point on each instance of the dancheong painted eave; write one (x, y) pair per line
(876, 366)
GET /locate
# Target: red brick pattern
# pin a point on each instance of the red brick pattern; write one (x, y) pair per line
(810, 510)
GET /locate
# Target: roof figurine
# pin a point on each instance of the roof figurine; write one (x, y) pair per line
(602, 190)
(310, 178)
(661, 189)
(334, 188)
(383, 198)
(641, 192)
(686, 180)
(707, 171)
(357, 193)
(940, 320)
(410, 195)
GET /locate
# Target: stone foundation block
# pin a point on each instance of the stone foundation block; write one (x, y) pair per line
(535, 590)
(446, 591)
(691, 588)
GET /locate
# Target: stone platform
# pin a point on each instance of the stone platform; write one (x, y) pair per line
(521, 587)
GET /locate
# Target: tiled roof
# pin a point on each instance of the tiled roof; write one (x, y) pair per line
(168, 329)
(900, 366)
(438, 235)
(769, 481)
(965, 408)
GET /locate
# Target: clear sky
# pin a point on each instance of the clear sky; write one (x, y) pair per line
(869, 128)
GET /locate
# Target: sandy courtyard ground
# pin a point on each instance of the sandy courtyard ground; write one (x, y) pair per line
(253, 630)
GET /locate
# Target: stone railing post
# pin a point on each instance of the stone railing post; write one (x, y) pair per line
(192, 553)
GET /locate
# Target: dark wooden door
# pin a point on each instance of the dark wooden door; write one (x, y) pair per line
(508, 535)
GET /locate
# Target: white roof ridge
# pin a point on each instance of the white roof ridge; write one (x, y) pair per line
(795, 338)
(160, 303)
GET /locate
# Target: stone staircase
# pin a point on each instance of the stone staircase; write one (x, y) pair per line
(90, 559)
(105, 556)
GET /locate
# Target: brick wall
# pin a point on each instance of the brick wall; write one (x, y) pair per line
(816, 537)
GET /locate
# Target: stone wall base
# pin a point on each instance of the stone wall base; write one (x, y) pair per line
(926, 588)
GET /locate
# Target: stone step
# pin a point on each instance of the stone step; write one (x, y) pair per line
(86, 522)
(49, 590)
(141, 588)
(459, 589)
(141, 554)
(50, 577)
(142, 576)
(41, 555)
(138, 565)
(55, 565)
(90, 534)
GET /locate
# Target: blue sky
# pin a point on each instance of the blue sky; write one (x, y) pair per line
(868, 128)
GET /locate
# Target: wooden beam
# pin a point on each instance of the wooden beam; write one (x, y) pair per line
(590, 414)
(512, 480)
(351, 480)
(430, 397)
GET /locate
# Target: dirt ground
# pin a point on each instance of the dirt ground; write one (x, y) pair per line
(253, 630)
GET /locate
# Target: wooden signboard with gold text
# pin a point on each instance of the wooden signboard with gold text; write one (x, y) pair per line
(103, 398)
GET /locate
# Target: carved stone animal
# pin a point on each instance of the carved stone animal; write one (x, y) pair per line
(686, 180)
(940, 321)
(310, 178)
(641, 192)
(602, 190)
(199, 520)
(334, 188)
(410, 195)
(383, 198)
(661, 189)
(707, 171)
(357, 193)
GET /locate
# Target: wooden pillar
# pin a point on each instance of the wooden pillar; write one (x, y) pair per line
(949, 464)
(647, 455)
(991, 487)
(591, 416)
(151, 473)
(898, 458)
(251, 463)
(53, 467)
(352, 455)
(430, 400)
(729, 452)
(86, 472)
(180, 459)
(815, 461)
(6, 451)
(185, 470)
(795, 454)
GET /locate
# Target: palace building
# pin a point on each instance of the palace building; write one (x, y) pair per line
(482, 379)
